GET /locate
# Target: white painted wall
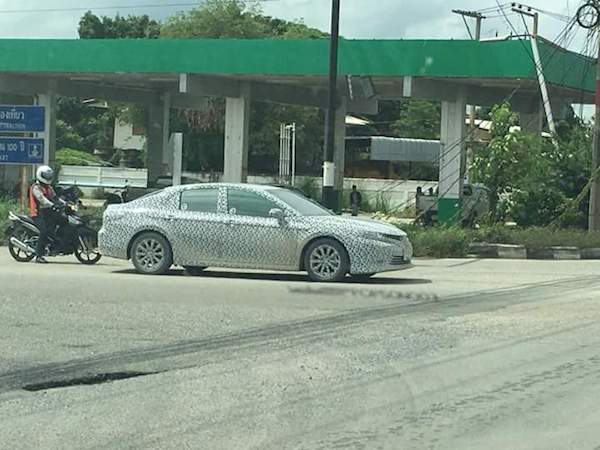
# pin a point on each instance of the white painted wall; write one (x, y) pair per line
(124, 137)
(110, 177)
(398, 192)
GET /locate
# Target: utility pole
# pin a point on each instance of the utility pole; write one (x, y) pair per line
(478, 19)
(330, 198)
(474, 15)
(594, 215)
(528, 11)
(588, 16)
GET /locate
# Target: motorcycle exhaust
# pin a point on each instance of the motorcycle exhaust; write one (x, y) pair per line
(21, 246)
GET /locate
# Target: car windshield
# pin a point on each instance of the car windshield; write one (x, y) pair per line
(300, 203)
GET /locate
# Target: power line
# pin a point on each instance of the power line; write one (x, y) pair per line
(100, 8)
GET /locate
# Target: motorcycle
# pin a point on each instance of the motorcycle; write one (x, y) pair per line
(118, 196)
(73, 235)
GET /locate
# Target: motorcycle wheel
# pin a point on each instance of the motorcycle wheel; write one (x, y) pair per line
(30, 239)
(88, 255)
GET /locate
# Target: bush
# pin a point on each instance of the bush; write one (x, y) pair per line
(72, 157)
(5, 207)
(453, 242)
(443, 242)
(382, 203)
(537, 207)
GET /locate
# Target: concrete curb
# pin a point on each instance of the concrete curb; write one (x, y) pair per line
(503, 251)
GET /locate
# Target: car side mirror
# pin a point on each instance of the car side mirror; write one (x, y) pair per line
(278, 214)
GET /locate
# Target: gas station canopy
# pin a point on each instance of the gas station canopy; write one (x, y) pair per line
(378, 65)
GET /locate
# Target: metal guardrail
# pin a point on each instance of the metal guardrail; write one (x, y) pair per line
(103, 177)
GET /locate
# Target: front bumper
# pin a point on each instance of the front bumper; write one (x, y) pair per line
(370, 256)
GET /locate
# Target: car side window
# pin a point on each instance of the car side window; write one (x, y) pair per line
(246, 203)
(200, 200)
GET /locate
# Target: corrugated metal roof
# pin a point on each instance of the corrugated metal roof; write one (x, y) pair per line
(404, 149)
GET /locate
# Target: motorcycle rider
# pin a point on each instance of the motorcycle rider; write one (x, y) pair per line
(42, 208)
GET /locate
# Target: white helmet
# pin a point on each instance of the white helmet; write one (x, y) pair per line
(44, 174)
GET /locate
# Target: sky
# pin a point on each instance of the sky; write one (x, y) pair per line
(384, 19)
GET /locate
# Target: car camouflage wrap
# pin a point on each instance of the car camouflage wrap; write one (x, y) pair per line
(225, 237)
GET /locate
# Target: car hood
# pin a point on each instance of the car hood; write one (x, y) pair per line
(358, 223)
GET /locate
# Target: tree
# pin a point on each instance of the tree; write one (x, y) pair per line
(538, 179)
(512, 161)
(83, 127)
(204, 130)
(233, 19)
(419, 119)
(94, 27)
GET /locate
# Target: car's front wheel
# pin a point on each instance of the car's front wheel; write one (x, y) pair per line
(326, 260)
(151, 254)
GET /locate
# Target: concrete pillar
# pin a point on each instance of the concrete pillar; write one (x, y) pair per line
(167, 156)
(176, 146)
(158, 138)
(48, 101)
(237, 127)
(532, 119)
(451, 159)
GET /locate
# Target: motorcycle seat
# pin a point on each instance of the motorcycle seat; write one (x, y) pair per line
(26, 218)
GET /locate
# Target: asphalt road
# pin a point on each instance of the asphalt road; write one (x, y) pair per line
(451, 354)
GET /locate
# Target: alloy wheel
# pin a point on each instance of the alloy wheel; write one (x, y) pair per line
(149, 254)
(325, 261)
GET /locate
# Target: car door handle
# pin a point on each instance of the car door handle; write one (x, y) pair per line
(169, 217)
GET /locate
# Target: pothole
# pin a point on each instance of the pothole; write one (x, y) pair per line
(99, 378)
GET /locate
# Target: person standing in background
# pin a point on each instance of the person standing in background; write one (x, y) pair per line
(355, 200)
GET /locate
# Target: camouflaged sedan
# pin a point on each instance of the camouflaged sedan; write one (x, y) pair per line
(251, 227)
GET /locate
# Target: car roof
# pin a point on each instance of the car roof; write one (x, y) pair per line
(256, 187)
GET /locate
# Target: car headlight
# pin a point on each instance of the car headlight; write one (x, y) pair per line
(383, 237)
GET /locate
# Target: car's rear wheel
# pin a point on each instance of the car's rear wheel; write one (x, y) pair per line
(151, 254)
(194, 270)
(326, 260)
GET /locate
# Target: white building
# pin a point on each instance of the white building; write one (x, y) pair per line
(128, 136)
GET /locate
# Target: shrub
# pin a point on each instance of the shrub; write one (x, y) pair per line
(72, 157)
(453, 242)
(443, 242)
(5, 207)
(382, 203)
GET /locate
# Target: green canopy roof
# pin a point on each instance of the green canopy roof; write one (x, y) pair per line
(511, 59)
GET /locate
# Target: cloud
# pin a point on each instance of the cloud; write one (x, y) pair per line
(395, 19)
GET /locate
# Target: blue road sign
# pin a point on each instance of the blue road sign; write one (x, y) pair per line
(14, 150)
(21, 119)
